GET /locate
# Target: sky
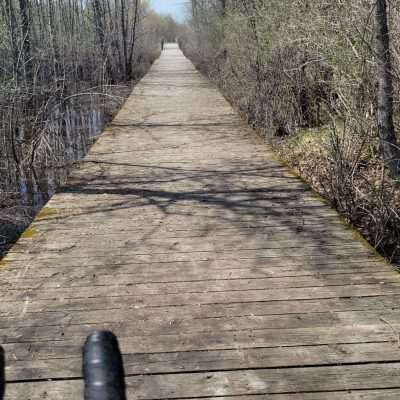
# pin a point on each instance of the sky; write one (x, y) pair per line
(176, 8)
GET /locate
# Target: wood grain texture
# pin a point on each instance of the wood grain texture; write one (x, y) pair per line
(223, 275)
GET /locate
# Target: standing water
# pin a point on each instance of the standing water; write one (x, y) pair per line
(74, 132)
(37, 158)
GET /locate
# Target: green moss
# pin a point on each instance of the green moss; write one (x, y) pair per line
(321, 198)
(291, 171)
(307, 139)
(358, 237)
(46, 212)
(310, 138)
(29, 233)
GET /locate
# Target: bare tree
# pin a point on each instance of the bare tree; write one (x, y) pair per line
(124, 33)
(12, 27)
(133, 39)
(387, 134)
(26, 39)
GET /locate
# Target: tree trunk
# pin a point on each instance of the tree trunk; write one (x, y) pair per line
(26, 39)
(130, 58)
(386, 130)
(53, 39)
(124, 38)
(12, 21)
(98, 13)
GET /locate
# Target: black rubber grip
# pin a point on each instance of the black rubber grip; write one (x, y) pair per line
(2, 373)
(103, 368)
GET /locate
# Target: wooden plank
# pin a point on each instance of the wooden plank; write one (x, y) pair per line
(133, 275)
(111, 284)
(196, 311)
(50, 225)
(161, 255)
(234, 242)
(25, 347)
(229, 383)
(180, 272)
(174, 247)
(34, 302)
(201, 221)
(69, 365)
(216, 263)
(94, 313)
(44, 331)
(149, 235)
(388, 394)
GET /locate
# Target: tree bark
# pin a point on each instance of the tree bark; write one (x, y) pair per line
(124, 38)
(12, 21)
(386, 130)
(26, 39)
(52, 31)
(130, 58)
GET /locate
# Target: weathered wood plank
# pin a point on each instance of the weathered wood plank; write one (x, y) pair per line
(34, 302)
(183, 272)
(217, 263)
(232, 242)
(95, 276)
(63, 366)
(127, 287)
(218, 326)
(25, 348)
(162, 255)
(94, 315)
(229, 383)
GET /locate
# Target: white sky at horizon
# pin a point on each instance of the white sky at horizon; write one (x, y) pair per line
(175, 8)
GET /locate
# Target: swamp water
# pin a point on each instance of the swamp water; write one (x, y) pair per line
(26, 186)
(38, 183)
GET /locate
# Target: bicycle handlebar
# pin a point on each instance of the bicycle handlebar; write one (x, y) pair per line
(102, 368)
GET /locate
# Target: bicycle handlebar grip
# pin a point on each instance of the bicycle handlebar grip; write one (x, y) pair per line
(102, 367)
(2, 373)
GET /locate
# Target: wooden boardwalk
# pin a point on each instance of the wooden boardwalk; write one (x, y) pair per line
(223, 275)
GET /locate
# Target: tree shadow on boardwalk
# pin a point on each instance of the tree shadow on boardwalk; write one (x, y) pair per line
(258, 202)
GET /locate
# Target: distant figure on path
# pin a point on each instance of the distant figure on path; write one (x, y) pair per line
(162, 44)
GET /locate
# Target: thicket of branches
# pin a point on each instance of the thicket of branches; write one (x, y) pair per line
(61, 62)
(325, 70)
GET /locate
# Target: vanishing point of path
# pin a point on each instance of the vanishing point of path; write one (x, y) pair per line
(221, 273)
